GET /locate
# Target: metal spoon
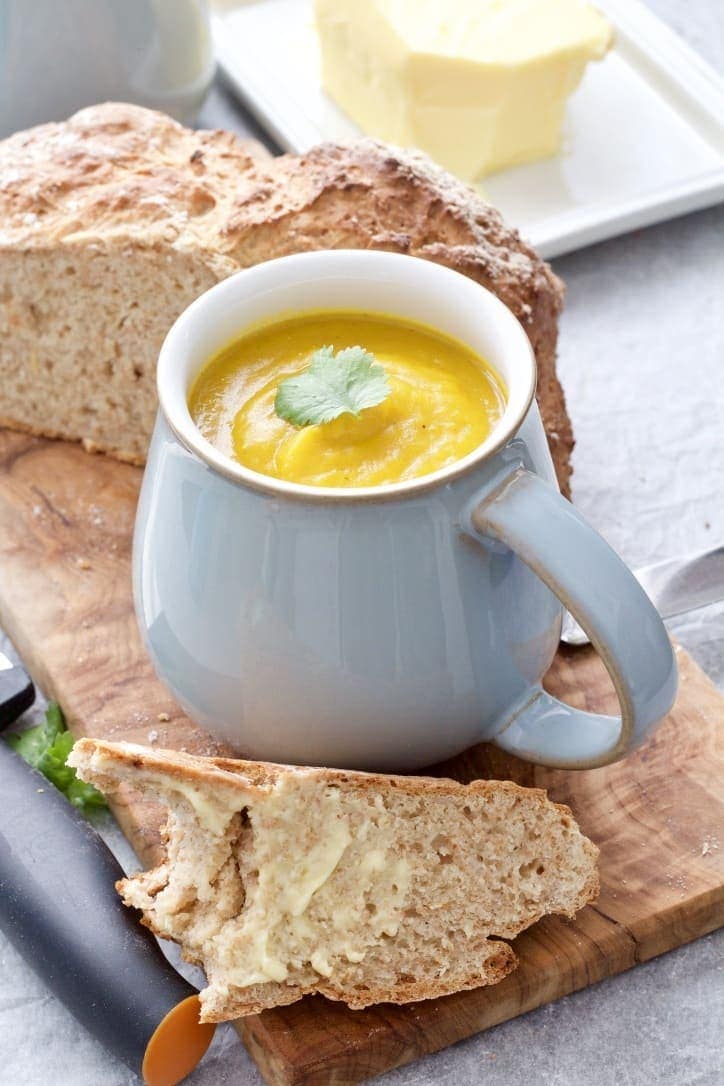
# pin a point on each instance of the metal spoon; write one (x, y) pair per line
(675, 586)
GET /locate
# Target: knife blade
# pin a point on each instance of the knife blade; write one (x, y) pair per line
(674, 586)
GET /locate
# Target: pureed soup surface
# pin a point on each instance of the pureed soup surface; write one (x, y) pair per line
(444, 401)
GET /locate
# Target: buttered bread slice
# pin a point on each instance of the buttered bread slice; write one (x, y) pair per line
(281, 881)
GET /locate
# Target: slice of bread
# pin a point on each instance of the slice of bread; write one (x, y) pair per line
(282, 881)
(112, 222)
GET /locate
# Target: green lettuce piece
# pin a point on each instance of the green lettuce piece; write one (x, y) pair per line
(46, 748)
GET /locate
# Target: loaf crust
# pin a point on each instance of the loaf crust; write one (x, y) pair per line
(227, 785)
(113, 221)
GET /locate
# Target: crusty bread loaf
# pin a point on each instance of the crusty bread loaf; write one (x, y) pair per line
(111, 223)
(282, 881)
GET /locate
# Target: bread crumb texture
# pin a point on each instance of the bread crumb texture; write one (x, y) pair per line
(112, 222)
(282, 881)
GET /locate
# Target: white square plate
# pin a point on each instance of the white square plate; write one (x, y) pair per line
(644, 138)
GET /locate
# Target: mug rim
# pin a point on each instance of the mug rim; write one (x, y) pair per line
(173, 401)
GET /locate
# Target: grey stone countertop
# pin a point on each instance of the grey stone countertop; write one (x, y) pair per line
(642, 362)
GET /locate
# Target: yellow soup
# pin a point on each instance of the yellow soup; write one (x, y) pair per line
(444, 401)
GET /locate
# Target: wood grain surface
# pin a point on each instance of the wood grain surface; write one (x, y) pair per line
(66, 519)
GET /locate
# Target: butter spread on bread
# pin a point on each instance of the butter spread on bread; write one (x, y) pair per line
(112, 222)
(281, 881)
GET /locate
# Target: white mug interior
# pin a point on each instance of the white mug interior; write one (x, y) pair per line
(378, 282)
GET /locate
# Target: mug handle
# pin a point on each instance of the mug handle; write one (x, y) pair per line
(544, 530)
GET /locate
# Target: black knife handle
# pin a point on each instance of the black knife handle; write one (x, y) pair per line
(59, 908)
(17, 694)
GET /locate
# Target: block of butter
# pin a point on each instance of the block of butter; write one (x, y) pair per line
(478, 84)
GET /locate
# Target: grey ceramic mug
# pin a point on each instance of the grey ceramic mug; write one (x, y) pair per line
(393, 626)
(57, 56)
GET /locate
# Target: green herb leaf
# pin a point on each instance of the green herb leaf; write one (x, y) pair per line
(333, 385)
(46, 748)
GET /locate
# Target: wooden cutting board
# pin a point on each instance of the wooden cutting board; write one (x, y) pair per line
(65, 600)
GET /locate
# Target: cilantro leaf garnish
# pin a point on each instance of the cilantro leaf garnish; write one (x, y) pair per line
(334, 385)
(47, 748)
